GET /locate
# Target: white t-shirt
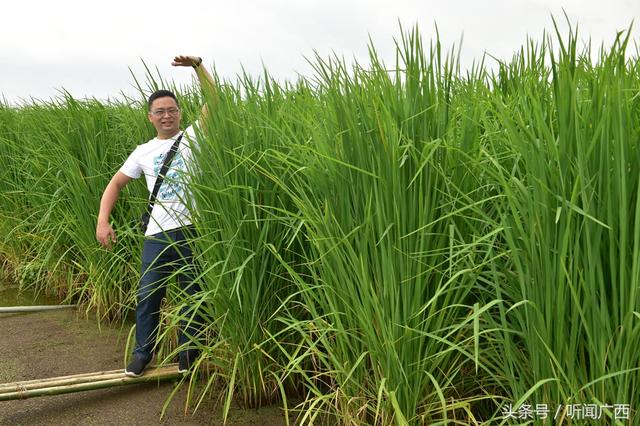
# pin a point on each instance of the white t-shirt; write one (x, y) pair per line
(169, 211)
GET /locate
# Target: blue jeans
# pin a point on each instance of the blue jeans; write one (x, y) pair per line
(163, 255)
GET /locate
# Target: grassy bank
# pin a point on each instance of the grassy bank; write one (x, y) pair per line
(413, 246)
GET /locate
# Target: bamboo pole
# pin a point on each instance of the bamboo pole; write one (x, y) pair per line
(27, 382)
(57, 381)
(36, 308)
(97, 381)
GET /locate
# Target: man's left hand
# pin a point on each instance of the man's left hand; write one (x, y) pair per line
(186, 61)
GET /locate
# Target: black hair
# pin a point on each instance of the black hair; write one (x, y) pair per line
(161, 94)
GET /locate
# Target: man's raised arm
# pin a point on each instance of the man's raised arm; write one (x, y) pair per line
(206, 82)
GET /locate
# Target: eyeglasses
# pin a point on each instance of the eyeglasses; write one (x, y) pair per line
(161, 112)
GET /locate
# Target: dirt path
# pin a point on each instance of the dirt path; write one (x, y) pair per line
(58, 343)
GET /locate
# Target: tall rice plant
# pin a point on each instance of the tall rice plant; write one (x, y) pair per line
(239, 225)
(571, 222)
(394, 211)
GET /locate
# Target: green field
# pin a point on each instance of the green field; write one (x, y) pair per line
(381, 243)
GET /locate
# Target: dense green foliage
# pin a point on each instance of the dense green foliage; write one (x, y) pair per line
(416, 246)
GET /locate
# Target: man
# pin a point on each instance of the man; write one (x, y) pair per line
(166, 250)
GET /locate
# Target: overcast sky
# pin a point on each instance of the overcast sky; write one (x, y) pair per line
(88, 48)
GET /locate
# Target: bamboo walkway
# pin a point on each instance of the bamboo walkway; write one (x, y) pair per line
(82, 382)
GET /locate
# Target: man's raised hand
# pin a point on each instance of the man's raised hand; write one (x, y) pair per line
(186, 61)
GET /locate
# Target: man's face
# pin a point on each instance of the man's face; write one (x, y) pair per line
(165, 116)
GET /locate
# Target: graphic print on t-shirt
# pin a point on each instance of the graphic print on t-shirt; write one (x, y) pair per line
(171, 188)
